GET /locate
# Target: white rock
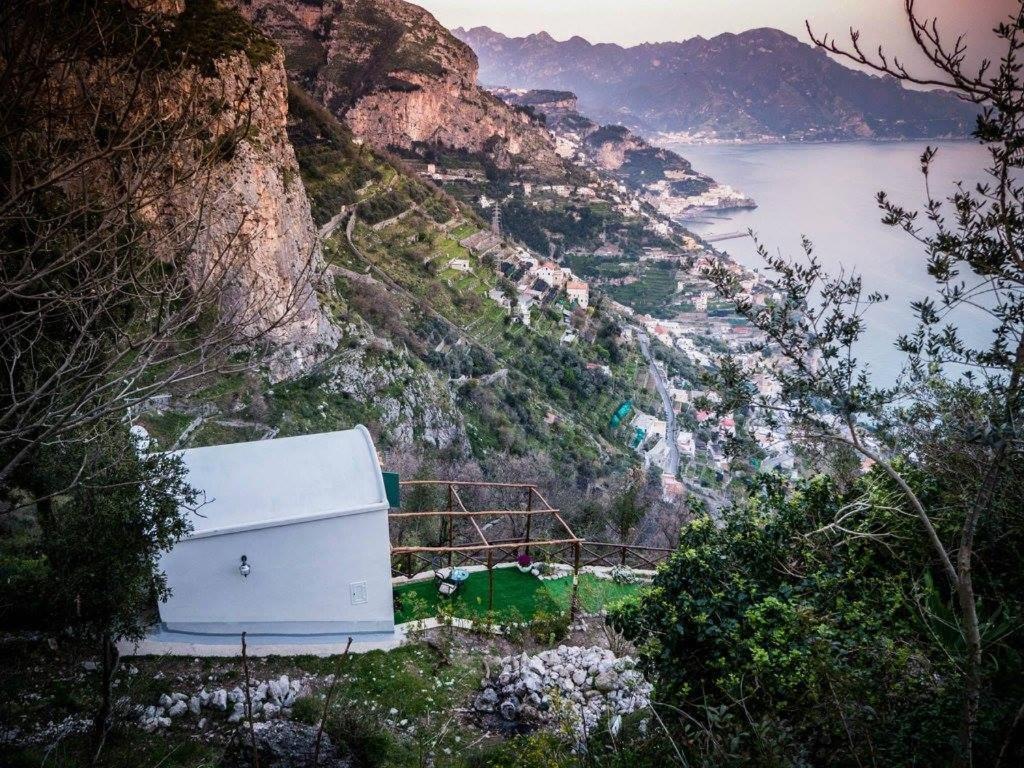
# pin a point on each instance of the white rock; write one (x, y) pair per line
(195, 705)
(274, 691)
(219, 699)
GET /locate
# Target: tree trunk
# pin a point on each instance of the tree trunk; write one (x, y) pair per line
(969, 608)
(101, 723)
(972, 671)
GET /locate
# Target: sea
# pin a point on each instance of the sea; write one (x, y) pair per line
(827, 192)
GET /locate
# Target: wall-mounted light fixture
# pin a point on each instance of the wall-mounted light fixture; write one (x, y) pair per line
(245, 569)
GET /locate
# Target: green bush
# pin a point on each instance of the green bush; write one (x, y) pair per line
(24, 576)
(23, 592)
(822, 643)
(365, 738)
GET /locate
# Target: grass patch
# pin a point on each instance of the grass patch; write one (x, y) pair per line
(515, 593)
(165, 427)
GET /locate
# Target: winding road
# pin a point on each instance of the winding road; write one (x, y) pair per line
(672, 468)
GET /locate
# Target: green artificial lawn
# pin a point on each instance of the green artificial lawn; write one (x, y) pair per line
(515, 594)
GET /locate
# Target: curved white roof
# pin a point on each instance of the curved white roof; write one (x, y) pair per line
(289, 480)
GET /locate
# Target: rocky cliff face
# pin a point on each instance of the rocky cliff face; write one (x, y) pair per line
(255, 201)
(398, 79)
(239, 215)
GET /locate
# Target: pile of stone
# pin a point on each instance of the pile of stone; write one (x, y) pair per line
(269, 698)
(551, 571)
(282, 744)
(568, 685)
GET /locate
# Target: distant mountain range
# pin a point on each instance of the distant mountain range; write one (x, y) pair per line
(756, 85)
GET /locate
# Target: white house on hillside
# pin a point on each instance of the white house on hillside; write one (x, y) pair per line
(578, 292)
(292, 540)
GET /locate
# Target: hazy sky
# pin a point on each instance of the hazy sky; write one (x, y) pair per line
(628, 22)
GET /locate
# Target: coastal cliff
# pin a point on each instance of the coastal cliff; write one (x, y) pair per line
(227, 204)
(257, 197)
(399, 79)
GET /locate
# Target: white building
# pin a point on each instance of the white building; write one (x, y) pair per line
(292, 540)
(524, 304)
(658, 455)
(650, 425)
(459, 265)
(579, 292)
(551, 273)
(700, 301)
(498, 296)
(686, 444)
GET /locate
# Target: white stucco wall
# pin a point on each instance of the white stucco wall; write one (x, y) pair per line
(301, 579)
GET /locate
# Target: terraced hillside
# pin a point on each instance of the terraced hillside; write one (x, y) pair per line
(427, 359)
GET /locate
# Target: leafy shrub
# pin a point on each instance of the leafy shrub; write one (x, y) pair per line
(23, 592)
(550, 623)
(308, 710)
(820, 642)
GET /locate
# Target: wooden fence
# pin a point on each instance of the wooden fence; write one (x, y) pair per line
(593, 553)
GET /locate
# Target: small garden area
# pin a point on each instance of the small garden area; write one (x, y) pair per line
(517, 596)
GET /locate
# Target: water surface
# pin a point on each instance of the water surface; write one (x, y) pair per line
(827, 192)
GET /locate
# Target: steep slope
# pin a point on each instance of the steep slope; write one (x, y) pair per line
(399, 79)
(756, 84)
(227, 201)
(427, 359)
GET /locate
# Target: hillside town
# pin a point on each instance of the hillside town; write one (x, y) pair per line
(691, 445)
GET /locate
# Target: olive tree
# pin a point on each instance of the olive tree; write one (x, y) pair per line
(103, 540)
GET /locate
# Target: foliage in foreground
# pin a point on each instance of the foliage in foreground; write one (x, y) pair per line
(779, 639)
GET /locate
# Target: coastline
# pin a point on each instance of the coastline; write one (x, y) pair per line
(669, 139)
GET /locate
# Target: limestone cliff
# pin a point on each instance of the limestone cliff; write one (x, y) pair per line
(240, 215)
(398, 78)
(255, 201)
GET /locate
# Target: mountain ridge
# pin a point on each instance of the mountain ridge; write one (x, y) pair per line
(398, 79)
(757, 85)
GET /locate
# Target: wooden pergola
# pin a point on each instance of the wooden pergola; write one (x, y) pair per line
(534, 505)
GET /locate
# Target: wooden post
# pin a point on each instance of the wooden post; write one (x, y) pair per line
(408, 565)
(623, 554)
(490, 579)
(451, 527)
(574, 600)
(529, 508)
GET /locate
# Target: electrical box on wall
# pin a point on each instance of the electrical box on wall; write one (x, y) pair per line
(357, 589)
